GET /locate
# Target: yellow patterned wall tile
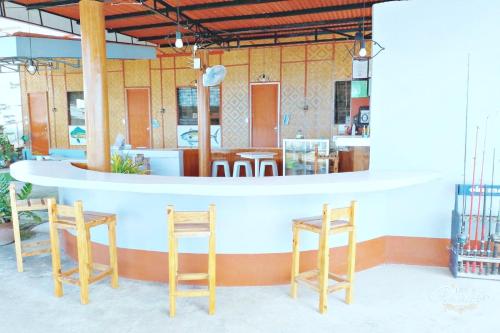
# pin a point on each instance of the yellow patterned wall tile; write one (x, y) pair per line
(319, 99)
(36, 82)
(169, 118)
(183, 62)
(59, 69)
(114, 65)
(74, 82)
(265, 60)
(293, 39)
(342, 62)
(235, 108)
(214, 59)
(61, 115)
(156, 105)
(320, 52)
(155, 63)
(293, 53)
(167, 62)
(292, 98)
(185, 77)
(51, 91)
(73, 69)
(24, 103)
(235, 57)
(136, 73)
(116, 102)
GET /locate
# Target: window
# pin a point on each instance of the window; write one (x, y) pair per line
(76, 116)
(187, 105)
(342, 101)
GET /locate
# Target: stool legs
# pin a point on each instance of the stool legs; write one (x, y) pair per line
(56, 258)
(295, 261)
(17, 241)
(351, 265)
(323, 272)
(83, 262)
(211, 265)
(113, 258)
(172, 273)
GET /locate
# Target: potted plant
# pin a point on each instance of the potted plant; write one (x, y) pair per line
(6, 234)
(7, 151)
(125, 164)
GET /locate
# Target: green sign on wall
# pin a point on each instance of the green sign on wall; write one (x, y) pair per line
(359, 88)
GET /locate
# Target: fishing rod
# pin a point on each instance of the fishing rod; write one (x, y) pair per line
(496, 244)
(471, 199)
(462, 238)
(481, 191)
(488, 250)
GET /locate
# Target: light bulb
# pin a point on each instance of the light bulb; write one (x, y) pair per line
(178, 40)
(31, 67)
(362, 48)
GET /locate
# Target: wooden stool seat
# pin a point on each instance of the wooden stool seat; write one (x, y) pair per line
(314, 224)
(26, 249)
(91, 219)
(190, 224)
(333, 221)
(74, 218)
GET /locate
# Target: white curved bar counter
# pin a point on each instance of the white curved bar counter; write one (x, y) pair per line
(253, 215)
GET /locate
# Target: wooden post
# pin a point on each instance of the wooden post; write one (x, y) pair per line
(95, 85)
(204, 149)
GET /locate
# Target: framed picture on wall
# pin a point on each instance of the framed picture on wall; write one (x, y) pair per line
(187, 136)
(77, 135)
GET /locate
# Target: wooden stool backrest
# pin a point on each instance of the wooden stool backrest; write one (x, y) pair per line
(24, 205)
(66, 213)
(347, 214)
(196, 217)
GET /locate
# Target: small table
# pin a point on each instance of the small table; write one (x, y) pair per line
(257, 156)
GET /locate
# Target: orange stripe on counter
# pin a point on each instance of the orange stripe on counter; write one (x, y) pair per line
(271, 268)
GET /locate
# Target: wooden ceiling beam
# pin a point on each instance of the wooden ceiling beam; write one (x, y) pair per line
(297, 12)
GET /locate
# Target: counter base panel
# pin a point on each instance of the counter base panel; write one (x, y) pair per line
(271, 268)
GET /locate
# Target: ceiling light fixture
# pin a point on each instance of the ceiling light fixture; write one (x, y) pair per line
(178, 35)
(178, 40)
(31, 67)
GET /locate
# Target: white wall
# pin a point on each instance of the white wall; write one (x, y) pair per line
(418, 100)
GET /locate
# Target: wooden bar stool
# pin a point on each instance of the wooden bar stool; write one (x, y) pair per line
(17, 208)
(190, 224)
(74, 218)
(333, 221)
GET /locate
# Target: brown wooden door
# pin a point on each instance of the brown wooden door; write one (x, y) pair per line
(138, 118)
(39, 123)
(264, 115)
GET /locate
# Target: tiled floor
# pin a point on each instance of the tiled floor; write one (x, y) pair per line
(391, 298)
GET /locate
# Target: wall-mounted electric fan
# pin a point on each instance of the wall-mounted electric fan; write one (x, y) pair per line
(214, 75)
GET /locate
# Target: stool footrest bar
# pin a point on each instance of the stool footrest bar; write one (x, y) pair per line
(192, 293)
(36, 252)
(192, 276)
